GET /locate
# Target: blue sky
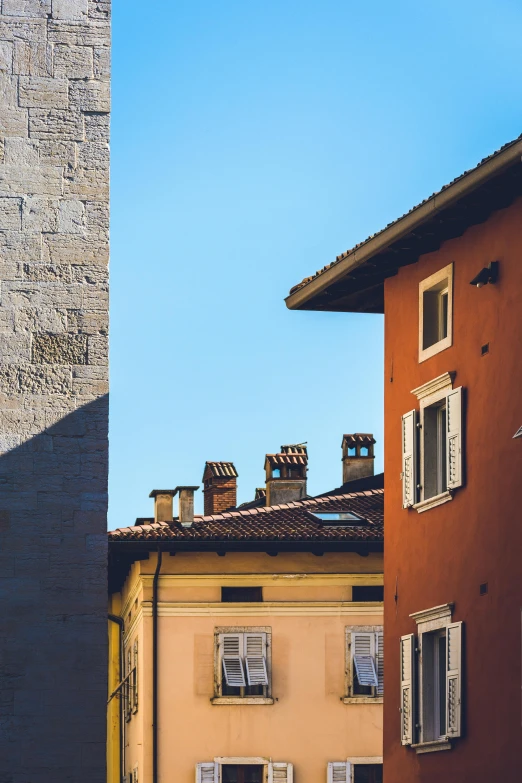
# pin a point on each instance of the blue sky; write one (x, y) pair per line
(251, 143)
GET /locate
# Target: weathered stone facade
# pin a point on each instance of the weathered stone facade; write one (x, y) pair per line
(54, 223)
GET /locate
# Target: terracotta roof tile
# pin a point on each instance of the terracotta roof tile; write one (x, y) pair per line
(220, 469)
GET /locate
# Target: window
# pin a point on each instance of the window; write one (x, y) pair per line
(367, 770)
(364, 663)
(339, 518)
(130, 686)
(431, 662)
(368, 593)
(432, 445)
(243, 665)
(435, 313)
(242, 594)
(248, 770)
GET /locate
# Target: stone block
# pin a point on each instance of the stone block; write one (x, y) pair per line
(46, 319)
(74, 249)
(26, 294)
(90, 274)
(42, 180)
(97, 127)
(16, 349)
(42, 92)
(102, 62)
(74, 33)
(45, 380)
(100, 9)
(59, 348)
(87, 385)
(73, 62)
(9, 378)
(13, 121)
(97, 350)
(40, 214)
(30, 8)
(71, 217)
(93, 155)
(9, 441)
(18, 247)
(21, 152)
(87, 322)
(6, 56)
(32, 58)
(56, 123)
(47, 273)
(24, 29)
(90, 95)
(87, 183)
(10, 214)
(58, 153)
(70, 9)
(95, 299)
(97, 220)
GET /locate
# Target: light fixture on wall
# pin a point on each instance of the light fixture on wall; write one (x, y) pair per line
(489, 274)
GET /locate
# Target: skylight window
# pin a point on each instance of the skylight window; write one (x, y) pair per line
(339, 518)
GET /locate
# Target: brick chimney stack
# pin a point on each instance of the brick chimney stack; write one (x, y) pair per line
(358, 456)
(219, 487)
(286, 474)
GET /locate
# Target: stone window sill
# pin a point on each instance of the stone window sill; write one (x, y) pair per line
(241, 700)
(432, 747)
(362, 700)
(436, 500)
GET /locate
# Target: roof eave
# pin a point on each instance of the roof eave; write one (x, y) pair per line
(301, 299)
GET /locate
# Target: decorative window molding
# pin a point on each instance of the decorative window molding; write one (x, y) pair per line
(436, 617)
(442, 383)
(365, 641)
(436, 500)
(242, 665)
(436, 313)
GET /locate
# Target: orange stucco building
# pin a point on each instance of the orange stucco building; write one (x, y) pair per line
(452, 380)
(251, 638)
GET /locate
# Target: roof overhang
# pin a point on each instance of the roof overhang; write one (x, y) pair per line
(355, 281)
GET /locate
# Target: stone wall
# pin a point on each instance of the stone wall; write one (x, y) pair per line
(54, 222)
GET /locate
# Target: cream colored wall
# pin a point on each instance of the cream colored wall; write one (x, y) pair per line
(307, 605)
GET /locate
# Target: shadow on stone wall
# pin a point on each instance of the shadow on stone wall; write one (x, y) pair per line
(53, 588)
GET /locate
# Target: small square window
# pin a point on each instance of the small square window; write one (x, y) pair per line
(367, 773)
(241, 595)
(368, 593)
(435, 313)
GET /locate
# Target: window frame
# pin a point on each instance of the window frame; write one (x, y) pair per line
(351, 697)
(219, 698)
(363, 761)
(425, 286)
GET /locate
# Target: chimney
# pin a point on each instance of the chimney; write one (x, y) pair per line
(358, 456)
(186, 505)
(162, 504)
(286, 474)
(219, 487)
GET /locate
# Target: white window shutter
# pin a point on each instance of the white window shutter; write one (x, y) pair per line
(454, 438)
(135, 676)
(407, 708)
(280, 772)
(363, 656)
(207, 772)
(409, 459)
(255, 658)
(339, 772)
(231, 656)
(379, 659)
(453, 679)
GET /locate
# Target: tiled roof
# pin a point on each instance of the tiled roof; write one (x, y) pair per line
(397, 220)
(287, 459)
(361, 438)
(220, 470)
(289, 522)
(258, 501)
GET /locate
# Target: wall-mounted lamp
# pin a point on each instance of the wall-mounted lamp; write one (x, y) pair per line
(489, 274)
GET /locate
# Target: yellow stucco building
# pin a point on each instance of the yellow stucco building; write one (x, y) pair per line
(249, 642)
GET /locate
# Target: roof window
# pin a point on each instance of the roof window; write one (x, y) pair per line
(339, 518)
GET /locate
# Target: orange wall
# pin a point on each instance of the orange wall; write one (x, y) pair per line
(445, 553)
(308, 724)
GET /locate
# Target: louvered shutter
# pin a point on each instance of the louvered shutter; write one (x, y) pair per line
(453, 679)
(135, 676)
(280, 772)
(207, 772)
(409, 459)
(231, 656)
(255, 658)
(379, 659)
(407, 708)
(339, 772)
(363, 656)
(454, 438)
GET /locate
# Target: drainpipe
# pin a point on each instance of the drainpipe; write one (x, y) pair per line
(155, 669)
(114, 618)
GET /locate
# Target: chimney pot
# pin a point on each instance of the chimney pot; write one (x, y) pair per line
(358, 456)
(286, 474)
(186, 504)
(163, 504)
